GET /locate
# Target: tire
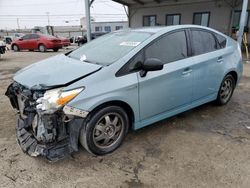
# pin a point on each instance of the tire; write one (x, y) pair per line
(55, 49)
(15, 48)
(104, 130)
(42, 48)
(226, 90)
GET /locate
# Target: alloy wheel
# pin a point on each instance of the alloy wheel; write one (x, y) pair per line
(226, 89)
(108, 130)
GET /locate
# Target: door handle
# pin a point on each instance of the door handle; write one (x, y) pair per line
(220, 59)
(187, 71)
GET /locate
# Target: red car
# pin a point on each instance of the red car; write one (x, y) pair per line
(36, 41)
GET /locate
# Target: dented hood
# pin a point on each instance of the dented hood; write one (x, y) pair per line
(53, 72)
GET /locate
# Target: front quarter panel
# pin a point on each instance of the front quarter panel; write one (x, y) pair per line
(103, 86)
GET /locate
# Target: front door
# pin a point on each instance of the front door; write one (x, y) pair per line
(24, 42)
(170, 88)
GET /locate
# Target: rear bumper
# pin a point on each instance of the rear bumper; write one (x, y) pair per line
(65, 43)
(52, 45)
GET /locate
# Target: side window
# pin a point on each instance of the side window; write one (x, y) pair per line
(34, 36)
(221, 40)
(202, 42)
(26, 37)
(169, 48)
(133, 65)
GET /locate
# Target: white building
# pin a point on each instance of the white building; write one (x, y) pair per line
(108, 26)
(104, 26)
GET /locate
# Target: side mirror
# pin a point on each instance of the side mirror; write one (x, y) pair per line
(20, 39)
(151, 64)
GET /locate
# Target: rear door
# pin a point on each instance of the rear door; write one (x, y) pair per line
(208, 63)
(33, 41)
(170, 88)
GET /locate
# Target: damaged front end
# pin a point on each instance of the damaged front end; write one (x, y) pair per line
(45, 127)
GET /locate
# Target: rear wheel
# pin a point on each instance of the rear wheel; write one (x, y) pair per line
(15, 48)
(104, 130)
(42, 48)
(55, 49)
(226, 90)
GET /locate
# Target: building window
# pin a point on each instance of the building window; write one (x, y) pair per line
(98, 28)
(118, 27)
(149, 20)
(201, 18)
(236, 20)
(107, 28)
(173, 19)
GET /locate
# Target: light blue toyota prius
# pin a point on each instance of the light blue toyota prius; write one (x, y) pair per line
(124, 80)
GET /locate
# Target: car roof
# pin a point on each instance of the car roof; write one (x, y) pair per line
(160, 29)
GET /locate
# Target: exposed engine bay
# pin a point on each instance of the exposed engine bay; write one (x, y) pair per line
(51, 134)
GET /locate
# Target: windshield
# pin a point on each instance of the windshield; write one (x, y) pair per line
(109, 48)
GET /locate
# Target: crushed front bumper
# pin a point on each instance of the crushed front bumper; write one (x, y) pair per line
(53, 136)
(52, 151)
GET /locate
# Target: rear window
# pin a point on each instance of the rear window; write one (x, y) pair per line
(221, 40)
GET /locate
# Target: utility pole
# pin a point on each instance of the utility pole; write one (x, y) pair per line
(48, 17)
(243, 18)
(17, 21)
(87, 15)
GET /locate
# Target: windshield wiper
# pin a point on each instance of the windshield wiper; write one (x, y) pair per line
(92, 62)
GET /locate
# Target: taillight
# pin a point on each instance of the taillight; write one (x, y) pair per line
(54, 40)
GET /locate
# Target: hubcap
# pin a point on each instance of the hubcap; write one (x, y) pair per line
(15, 48)
(41, 48)
(226, 90)
(108, 130)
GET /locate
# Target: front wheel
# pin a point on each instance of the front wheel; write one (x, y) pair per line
(15, 48)
(226, 90)
(104, 130)
(42, 48)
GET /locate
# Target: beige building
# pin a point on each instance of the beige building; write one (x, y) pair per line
(223, 15)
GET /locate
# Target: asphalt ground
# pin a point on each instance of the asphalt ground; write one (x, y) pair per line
(208, 146)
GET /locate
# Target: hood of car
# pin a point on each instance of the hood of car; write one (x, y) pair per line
(56, 71)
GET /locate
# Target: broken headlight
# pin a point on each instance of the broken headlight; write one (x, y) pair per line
(55, 98)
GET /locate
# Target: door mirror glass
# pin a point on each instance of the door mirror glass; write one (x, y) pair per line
(151, 64)
(20, 39)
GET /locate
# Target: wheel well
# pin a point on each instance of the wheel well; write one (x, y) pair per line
(234, 74)
(13, 45)
(121, 104)
(40, 44)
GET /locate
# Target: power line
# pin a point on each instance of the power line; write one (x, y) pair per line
(40, 4)
(58, 15)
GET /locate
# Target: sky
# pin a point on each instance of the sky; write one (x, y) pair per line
(30, 13)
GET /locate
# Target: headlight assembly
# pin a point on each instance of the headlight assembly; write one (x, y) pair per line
(56, 98)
